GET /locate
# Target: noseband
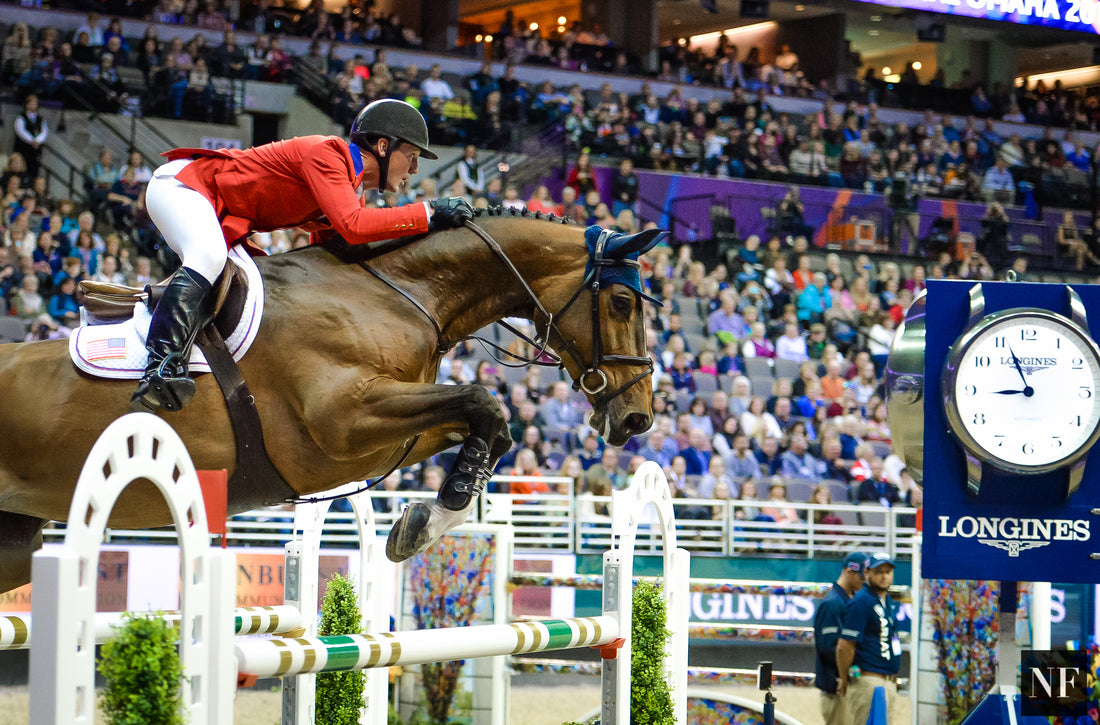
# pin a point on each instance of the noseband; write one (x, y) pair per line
(593, 380)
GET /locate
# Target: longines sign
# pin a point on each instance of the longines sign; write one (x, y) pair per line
(1021, 523)
(1012, 534)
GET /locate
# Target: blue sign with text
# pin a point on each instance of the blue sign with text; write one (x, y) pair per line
(1017, 526)
(1082, 16)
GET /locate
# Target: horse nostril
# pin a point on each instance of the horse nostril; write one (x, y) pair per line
(637, 423)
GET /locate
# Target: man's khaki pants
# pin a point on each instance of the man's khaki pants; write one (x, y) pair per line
(834, 709)
(860, 692)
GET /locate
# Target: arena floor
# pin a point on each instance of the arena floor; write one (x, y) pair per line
(531, 704)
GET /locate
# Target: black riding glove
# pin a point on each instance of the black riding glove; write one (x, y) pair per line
(449, 213)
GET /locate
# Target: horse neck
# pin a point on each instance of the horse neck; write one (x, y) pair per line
(465, 286)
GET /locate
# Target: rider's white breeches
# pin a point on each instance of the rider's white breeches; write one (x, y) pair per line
(187, 221)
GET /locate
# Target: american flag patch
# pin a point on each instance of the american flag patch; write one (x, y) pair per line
(113, 348)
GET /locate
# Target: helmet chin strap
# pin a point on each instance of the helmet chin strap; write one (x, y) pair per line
(383, 161)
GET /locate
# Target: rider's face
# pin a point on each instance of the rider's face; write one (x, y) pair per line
(403, 164)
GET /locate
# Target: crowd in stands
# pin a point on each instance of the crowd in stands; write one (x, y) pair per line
(843, 145)
(49, 245)
(767, 386)
(768, 363)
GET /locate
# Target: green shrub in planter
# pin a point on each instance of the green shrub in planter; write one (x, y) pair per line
(142, 668)
(650, 697)
(339, 694)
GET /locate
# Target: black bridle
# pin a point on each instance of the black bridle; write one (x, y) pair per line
(584, 382)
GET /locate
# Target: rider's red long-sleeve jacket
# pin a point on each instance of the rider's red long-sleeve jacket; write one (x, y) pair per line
(308, 182)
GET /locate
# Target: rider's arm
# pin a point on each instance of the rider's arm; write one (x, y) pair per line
(326, 173)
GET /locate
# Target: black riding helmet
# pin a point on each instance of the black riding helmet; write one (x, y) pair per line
(394, 120)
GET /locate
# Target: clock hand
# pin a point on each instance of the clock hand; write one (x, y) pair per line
(1010, 392)
(1028, 391)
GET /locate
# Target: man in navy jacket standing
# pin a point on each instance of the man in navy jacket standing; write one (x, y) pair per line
(828, 621)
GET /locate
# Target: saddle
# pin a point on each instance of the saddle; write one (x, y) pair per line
(255, 481)
(106, 303)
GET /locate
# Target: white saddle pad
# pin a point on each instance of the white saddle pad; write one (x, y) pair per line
(118, 351)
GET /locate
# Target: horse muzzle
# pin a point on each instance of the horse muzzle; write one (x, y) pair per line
(617, 427)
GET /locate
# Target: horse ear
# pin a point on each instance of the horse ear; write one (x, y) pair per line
(636, 243)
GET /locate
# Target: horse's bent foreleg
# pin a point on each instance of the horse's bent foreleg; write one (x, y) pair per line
(382, 413)
(404, 409)
(20, 537)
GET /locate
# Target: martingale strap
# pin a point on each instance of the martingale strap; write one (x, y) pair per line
(256, 481)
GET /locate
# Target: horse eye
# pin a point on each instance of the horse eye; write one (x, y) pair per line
(622, 305)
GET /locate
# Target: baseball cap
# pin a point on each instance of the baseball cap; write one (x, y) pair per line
(879, 558)
(856, 561)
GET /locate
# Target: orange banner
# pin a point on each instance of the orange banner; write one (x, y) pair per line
(112, 586)
(260, 578)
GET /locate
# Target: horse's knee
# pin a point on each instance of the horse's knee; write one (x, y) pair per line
(487, 419)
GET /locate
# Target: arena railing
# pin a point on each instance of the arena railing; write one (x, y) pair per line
(563, 523)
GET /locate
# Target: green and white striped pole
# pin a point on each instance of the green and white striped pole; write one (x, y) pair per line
(16, 631)
(282, 657)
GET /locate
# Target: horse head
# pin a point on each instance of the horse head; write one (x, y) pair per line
(601, 335)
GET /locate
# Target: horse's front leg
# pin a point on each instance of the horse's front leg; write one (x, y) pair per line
(399, 409)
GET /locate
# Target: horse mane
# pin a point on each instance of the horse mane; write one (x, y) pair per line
(502, 211)
(357, 253)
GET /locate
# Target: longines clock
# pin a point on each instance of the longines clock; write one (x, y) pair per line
(1021, 390)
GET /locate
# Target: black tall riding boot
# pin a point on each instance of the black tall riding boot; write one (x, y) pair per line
(177, 318)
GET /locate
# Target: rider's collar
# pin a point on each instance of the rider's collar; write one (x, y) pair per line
(618, 270)
(356, 158)
(356, 162)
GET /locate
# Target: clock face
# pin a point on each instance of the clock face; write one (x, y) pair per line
(1022, 391)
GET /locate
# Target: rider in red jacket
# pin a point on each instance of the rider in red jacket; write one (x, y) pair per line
(204, 202)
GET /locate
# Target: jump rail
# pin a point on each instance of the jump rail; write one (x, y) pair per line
(308, 655)
(16, 631)
(141, 446)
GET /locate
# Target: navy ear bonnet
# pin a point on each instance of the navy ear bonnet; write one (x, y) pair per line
(606, 245)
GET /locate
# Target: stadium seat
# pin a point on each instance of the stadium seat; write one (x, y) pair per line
(761, 386)
(758, 367)
(786, 368)
(705, 383)
(839, 491)
(695, 341)
(872, 514)
(693, 325)
(688, 306)
(12, 329)
(850, 518)
(798, 491)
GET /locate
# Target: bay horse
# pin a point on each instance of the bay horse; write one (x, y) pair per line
(343, 370)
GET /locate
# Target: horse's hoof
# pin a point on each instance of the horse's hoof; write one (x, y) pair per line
(409, 535)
